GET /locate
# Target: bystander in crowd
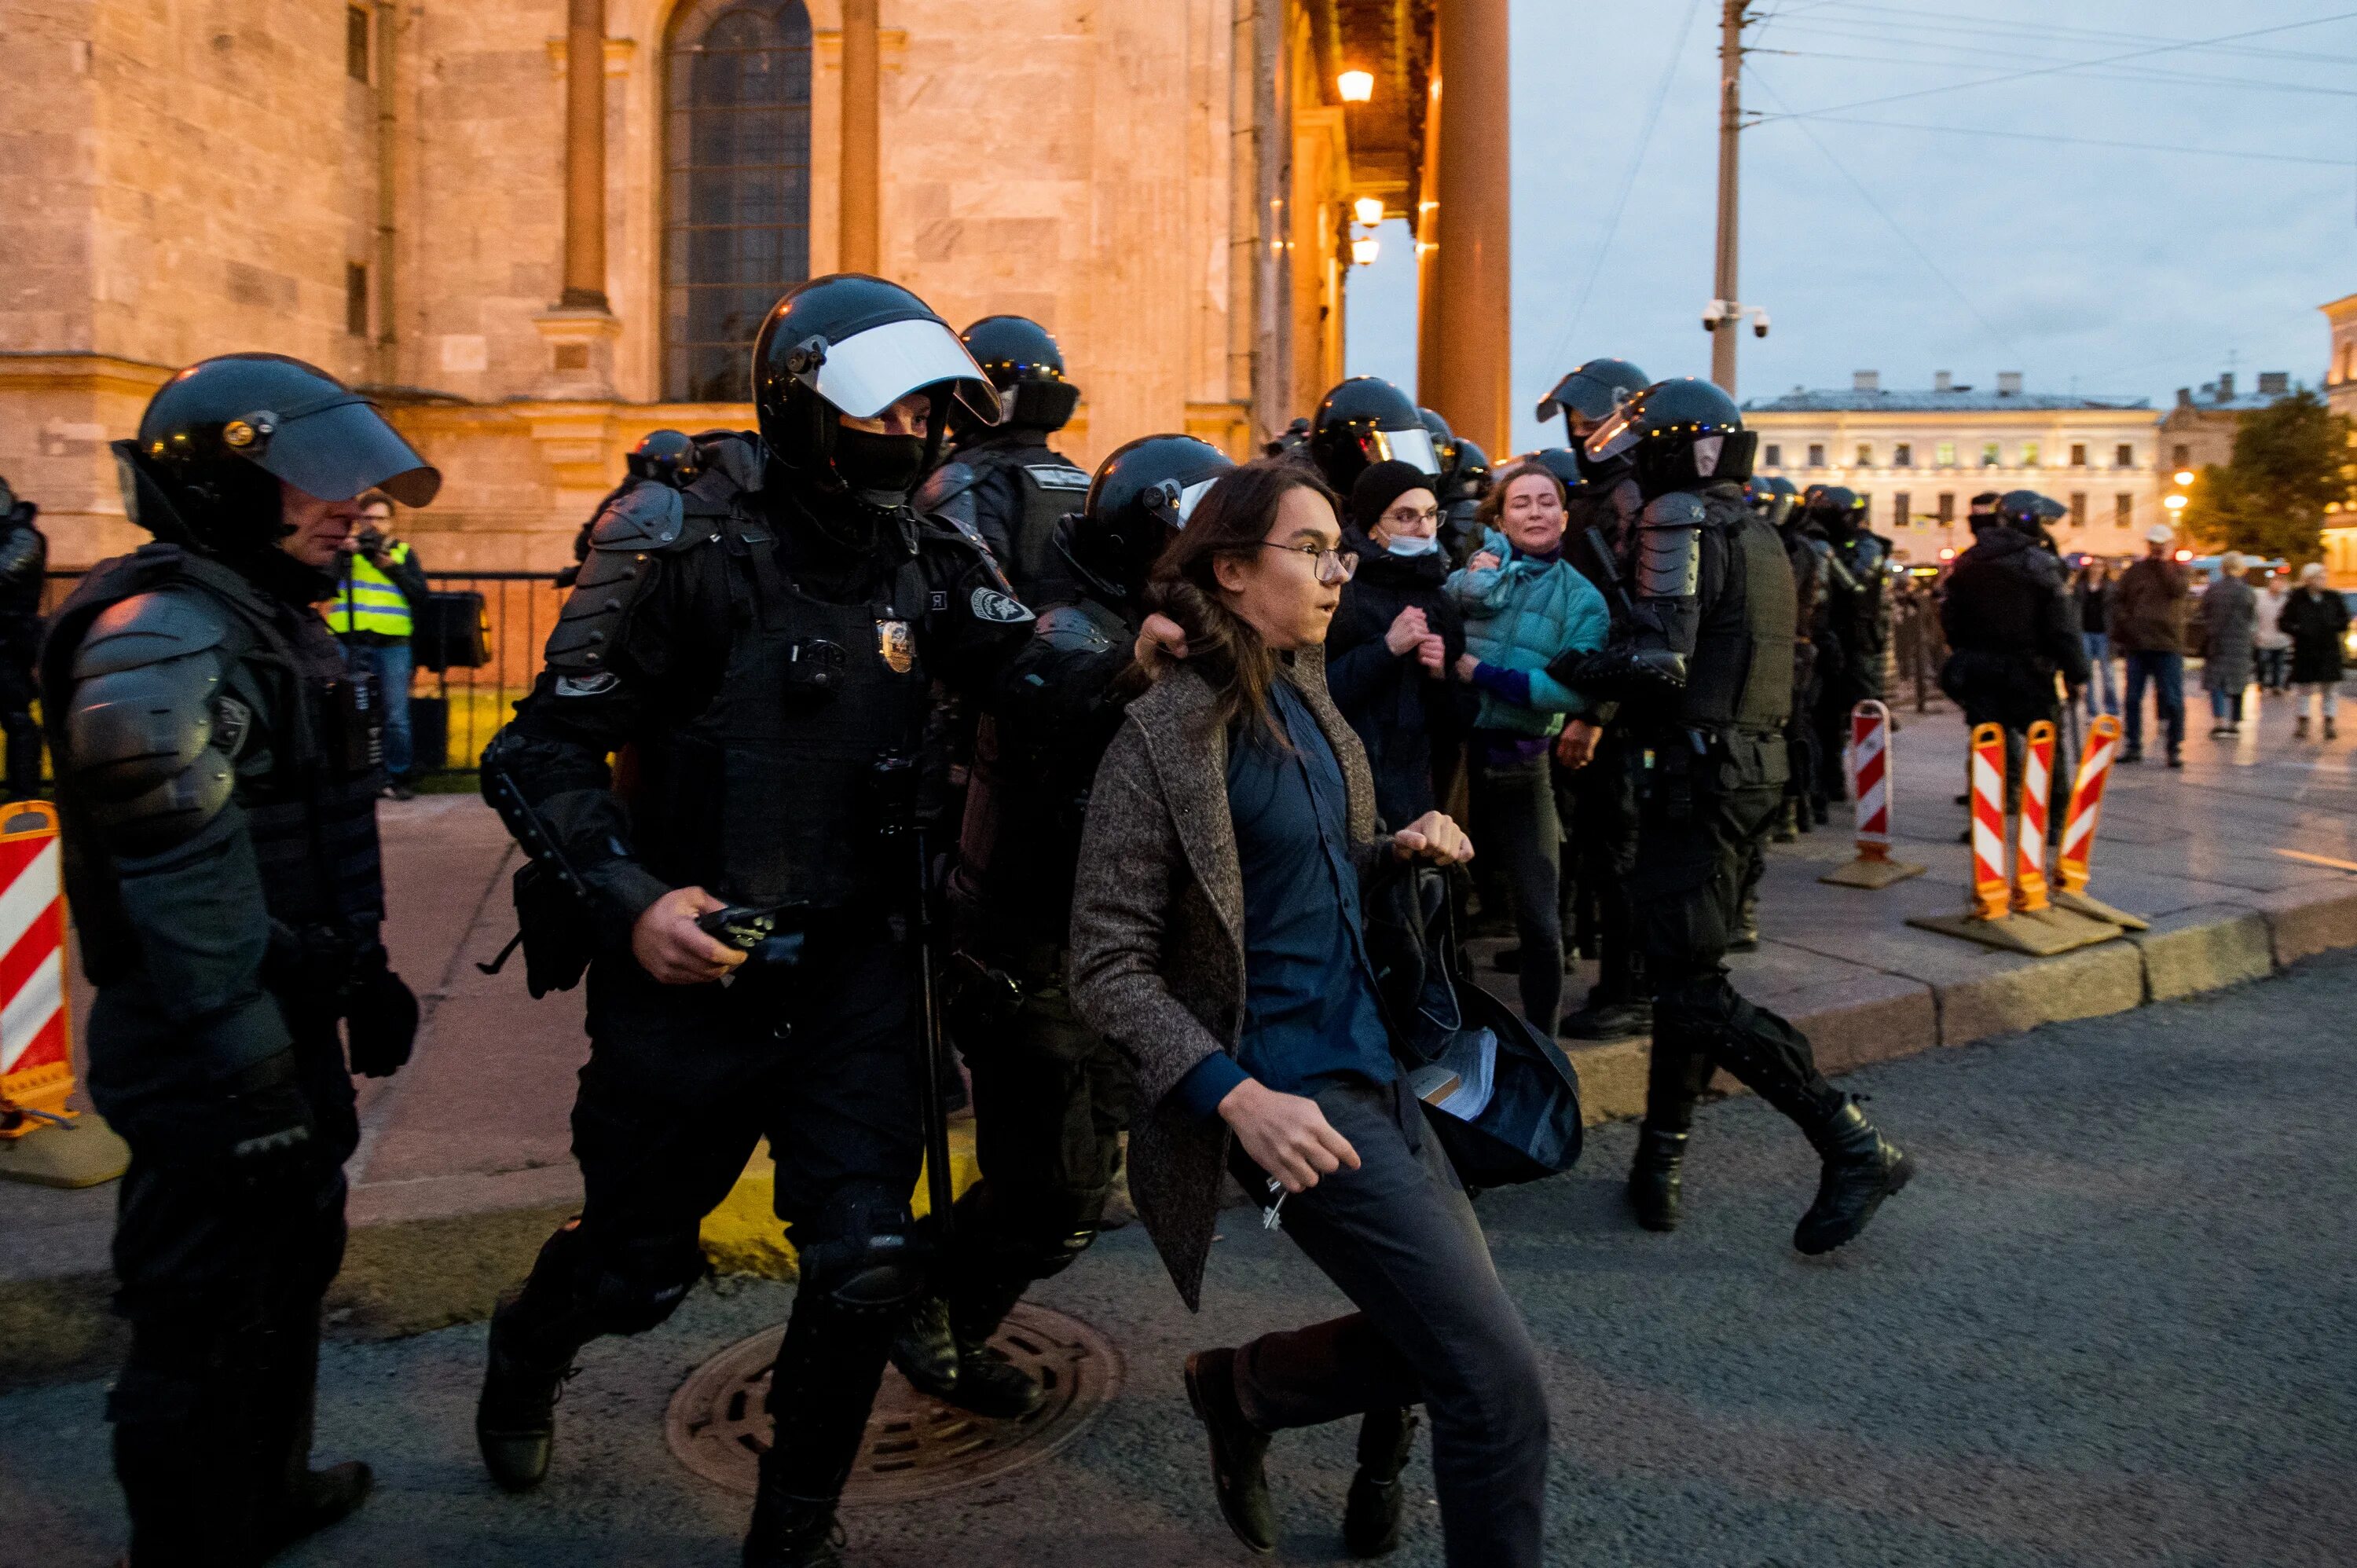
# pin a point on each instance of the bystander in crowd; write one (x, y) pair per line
(2091, 597)
(379, 587)
(2317, 618)
(2270, 643)
(2148, 627)
(2229, 613)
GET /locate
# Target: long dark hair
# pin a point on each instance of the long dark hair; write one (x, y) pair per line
(1491, 513)
(1233, 517)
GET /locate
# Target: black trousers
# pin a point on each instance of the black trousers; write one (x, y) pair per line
(1051, 1099)
(1434, 1327)
(682, 1082)
(1704, 817)
(1604, 844)
(220, 1271)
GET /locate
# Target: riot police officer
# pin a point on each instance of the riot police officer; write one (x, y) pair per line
(217, 779)
(1704, 667)
(1051, 1098)
(1857, 617)
(1603, 843)
(761, 630)
(1004, 480)
(24, 565)
(1367, 420)
(1775, 501)
(1459, 495)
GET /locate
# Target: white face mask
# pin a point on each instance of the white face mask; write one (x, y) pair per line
(1411, 545)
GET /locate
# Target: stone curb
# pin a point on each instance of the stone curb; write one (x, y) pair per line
(1883, 1017)
(412, 1275)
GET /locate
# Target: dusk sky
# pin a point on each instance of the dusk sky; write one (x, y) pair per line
(2111, 270)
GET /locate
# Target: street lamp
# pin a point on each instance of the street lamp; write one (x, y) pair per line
(2174, 503)
(1355, 86)
(2184, 476)
(1365, 251)
(1368, 210)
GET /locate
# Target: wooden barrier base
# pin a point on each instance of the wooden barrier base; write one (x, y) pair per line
(2095, 908)
(1871, 874)
(2042, 935)
(82, 1154)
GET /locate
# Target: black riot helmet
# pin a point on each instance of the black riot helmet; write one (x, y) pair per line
(1444, 441)
(1560, 461)
(1140, 498)
(1367, 420)
(1469, 472)
(851, 344)
(1679, 435)
(1773, 498)
(2029, 511)
(1837, 509)
(216, 440)
(1022, 360)
(1592, 392)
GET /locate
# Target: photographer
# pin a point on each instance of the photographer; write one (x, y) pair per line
(379, 587)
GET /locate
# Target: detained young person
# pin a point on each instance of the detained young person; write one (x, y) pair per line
(1217, 940)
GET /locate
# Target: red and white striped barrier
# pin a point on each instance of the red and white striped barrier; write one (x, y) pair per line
(1869, 780)
(1992, 900)
(36, 1044)
(2029, 841)
(2071, 862)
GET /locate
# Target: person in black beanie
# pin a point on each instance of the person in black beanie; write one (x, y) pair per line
(1393, 639)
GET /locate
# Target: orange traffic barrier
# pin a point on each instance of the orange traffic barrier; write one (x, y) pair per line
(36, 1025)
(2030, 841)
(1991, 899)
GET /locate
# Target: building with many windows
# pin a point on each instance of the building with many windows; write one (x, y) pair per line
(536, 229)
(2340, 365)
(1919, 458)
(2199, 428)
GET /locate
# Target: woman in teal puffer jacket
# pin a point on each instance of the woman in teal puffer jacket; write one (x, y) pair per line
(1523, 604)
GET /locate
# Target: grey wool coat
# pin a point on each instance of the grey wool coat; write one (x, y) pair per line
(1158, 933)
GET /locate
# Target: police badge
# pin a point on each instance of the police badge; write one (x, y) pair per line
(896, 642)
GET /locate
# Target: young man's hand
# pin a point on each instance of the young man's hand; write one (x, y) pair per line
(1434, 837)
(1285, 1134)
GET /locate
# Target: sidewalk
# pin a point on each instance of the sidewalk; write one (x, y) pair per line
(2246, 860)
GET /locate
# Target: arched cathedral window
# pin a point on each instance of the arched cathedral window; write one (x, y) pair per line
(737, 117)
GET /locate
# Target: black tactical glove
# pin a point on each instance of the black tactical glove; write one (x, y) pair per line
(265, 1120)
(1620, 673)
(380, 1018)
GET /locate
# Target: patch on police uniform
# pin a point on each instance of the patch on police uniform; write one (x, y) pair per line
(586, 685)
(896, 642)
(233, 720)
(1057, 476)
(989, 603)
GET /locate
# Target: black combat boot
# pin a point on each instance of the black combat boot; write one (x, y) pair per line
(1371, 1520)
(1239, 1449)
(297, 1501)
(515, 1415)
(944, 1351)
(1861, 1169)
(1656, 1178)
(1602, 1019)
(788, 1532)
(1745, 937)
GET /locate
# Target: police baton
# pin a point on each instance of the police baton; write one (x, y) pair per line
(897, 785)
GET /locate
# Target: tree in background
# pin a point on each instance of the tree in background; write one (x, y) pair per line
(2292, 460)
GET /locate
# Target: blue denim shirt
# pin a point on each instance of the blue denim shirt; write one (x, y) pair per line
(1310, 1010)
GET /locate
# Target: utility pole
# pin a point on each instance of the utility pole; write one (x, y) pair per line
(1725, 316)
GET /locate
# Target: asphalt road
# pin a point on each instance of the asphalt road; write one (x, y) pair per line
(2113, 1321)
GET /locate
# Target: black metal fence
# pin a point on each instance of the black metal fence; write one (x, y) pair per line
(468, 676)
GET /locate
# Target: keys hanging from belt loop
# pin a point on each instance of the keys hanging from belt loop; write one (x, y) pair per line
(1268, 1217)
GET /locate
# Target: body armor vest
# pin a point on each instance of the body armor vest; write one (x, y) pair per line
(1741, 672)
(772, 794)
(1049, 487)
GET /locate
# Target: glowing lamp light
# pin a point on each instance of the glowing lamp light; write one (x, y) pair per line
(1947, 555)
(2174, 503)
(2185, 555)
(1365, 252)
(2184, 476)
(1355, 86)
(1368, 210)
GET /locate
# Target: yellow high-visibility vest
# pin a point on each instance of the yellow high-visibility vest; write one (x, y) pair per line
(368, 600)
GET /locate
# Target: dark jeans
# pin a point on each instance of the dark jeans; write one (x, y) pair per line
(1702, 826)
(390, 662)
(1515, 828)
(2165, 672)
(1434, 1327)
(2275, 669)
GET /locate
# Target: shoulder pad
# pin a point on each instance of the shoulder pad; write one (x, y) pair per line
(1072, 629)
(647, 516)
(733, 462)
(150, 628)
(1679, 509)
(947, 528)
(1059, 476)
(944, 485)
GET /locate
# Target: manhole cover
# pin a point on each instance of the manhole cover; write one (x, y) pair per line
(916, 1446)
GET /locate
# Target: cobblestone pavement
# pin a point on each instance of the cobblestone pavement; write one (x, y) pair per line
(2113, 1322)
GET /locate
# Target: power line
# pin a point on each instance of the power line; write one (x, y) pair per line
(1949, 22)
(1627, 182)
(2076, 140)
(2164, 77)
(2053, 70)
(1908, 240)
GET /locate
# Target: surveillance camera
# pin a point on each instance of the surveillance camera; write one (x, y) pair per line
(1710, 323)
(1760, 325)
(1713, 313)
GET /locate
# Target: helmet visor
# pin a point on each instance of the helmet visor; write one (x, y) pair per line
(1412, 447)
(339, 451)
(1614, 436)
(869, 372)
(1189, 497)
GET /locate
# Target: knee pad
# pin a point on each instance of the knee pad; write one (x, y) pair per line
(864, 1256)
(580, 1290)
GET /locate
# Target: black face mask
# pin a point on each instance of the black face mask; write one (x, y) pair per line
(880, 469)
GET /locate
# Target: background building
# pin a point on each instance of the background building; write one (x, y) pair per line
(2198, 429)
(1919, 458)
(2340, 366)
(538, 229)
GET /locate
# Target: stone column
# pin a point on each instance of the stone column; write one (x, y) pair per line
(584, 156)
(1473, 228)
(580, 327)
(858, 246)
